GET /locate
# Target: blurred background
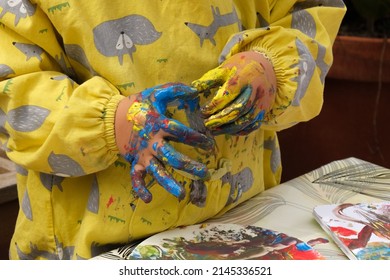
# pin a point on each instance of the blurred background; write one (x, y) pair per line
(355, 119)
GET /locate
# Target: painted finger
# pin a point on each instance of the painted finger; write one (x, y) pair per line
(186, 135)
(169, 156)
(240, 106)
(229, 91)
(161, 95)
(138, 184)
(235, 82)
(172, 91)
(211, 79)
(242, 126)
(158, 171)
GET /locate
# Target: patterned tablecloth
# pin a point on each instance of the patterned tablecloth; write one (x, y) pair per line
(288, 207)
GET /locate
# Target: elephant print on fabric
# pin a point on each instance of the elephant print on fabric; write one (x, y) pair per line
(271, 144)
(20, 8)
(120, 36)
(26, 206)
(306, 67)
(3, 119)
(49, 181)
(77, 53)
(27, 118)
(208, 32)
(62, 253)
(93, 200)
(5, 71)
(63, 165)
(305, 22)
(239, 183)
(29, 50)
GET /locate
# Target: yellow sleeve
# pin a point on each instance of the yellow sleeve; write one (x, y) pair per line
(48, 122)
(297, 37)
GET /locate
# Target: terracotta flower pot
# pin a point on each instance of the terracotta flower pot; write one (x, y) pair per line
(360, 59)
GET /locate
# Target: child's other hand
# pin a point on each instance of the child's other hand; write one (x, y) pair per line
(247, 87)
(147, 148)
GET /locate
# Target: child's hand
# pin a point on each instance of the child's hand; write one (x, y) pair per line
(148, 150)
(247, 91)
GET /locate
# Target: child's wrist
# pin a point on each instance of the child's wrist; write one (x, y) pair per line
(123, 127)
(266, 62)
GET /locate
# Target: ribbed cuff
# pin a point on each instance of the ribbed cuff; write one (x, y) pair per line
(109, 122)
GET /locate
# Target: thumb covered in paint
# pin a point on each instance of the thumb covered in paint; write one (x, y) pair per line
(149, 132)
(245, 89)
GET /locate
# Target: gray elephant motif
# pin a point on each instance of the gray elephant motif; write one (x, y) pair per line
(49, 181)
(208, 32)
(5, 71)
(120, 36)
(20, 8)
(93, 200)
(26, 206)
(36, 253)
(78, 54)
(234, 40)
(63, 165)
(62, 253)
(3, 120)
(304, 21)
(306, 65)
(239, 183)
(320, 61)
(27, 118)
(29, 50)
(271, 144)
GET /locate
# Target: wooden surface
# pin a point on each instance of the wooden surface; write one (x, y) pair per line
(354, 122)
(8, 213)
(9, 205)
(361, 59)
(7, 179)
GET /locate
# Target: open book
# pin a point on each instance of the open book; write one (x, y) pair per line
(214, 241)
(361, 230)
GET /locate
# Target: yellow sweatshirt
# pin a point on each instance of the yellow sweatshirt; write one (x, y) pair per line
(65, 65)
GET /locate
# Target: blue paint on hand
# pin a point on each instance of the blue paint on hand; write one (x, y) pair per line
(147, 115)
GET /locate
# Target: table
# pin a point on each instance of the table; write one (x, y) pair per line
(288, 207)
(7, 179)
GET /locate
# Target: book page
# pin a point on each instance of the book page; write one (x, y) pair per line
(361, 230)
